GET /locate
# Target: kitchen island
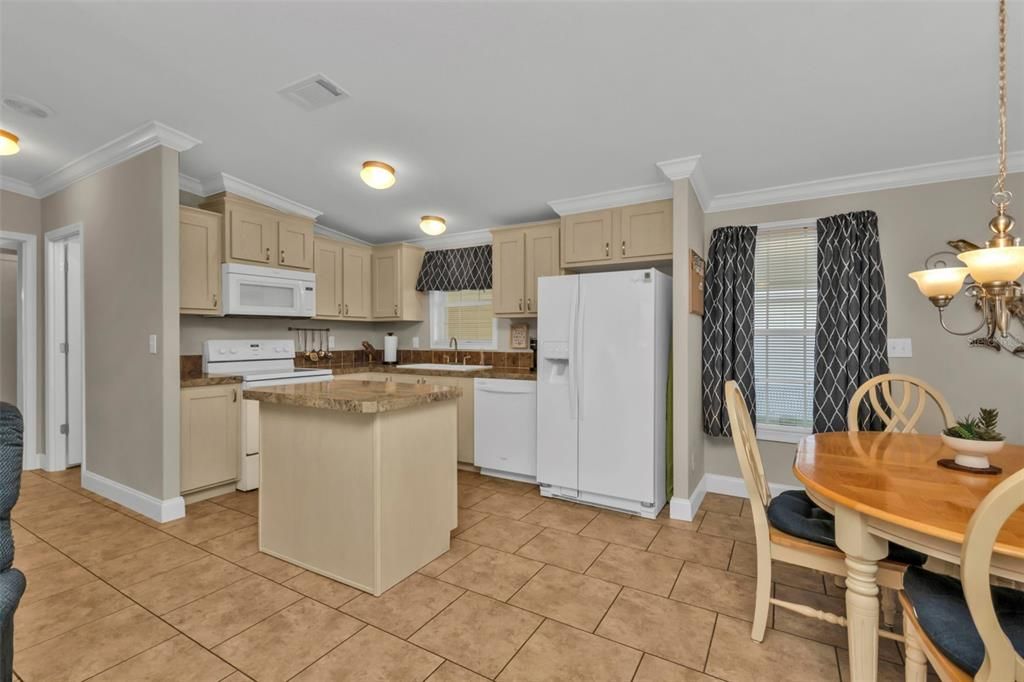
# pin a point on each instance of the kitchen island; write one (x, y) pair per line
(358, 478)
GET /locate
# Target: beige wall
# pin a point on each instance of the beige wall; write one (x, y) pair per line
(130, 258)
(688, 442)
(9, 327)
(913, 222)
(19, 213)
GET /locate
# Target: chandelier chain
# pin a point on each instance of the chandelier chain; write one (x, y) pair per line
(1001, 182)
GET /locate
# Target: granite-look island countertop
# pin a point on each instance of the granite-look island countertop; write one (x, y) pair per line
(200, 379)
(361, 397)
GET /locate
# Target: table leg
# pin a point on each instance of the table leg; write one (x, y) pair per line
(863, 552)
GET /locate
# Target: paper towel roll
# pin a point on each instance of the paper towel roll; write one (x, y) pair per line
(391, 348)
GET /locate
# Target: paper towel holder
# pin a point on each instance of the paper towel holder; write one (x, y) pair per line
(390, 349)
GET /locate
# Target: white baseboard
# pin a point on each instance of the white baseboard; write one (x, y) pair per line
(685, 509)
(32, 462)
(147, 505)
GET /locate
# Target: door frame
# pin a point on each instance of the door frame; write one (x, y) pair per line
(54, 460)
(28, 296)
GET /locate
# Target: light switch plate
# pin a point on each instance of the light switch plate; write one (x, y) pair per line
(901, 348)
(330, 343)
(415, 342)
(152, 344)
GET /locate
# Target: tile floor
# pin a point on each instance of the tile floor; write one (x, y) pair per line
(532, 589)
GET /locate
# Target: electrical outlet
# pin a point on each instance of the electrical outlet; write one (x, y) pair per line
(901, 348)
(415, 342)
(330, 343)
(152, 344)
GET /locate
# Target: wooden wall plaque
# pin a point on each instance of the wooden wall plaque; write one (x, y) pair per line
(696, 283)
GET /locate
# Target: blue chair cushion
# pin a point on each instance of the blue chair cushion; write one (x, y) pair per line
(794, 513)
(941, 609)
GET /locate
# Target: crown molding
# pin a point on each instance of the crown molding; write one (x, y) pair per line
(690, 168)
(331, 233)
(457, 240)
(223, 182)
(190, 184)
(142, 139)
(612, 199)
(10, 184)
(908, 176)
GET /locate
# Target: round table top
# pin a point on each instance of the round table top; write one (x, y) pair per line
(895, 477)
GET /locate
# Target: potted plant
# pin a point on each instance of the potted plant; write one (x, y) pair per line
(975, 438)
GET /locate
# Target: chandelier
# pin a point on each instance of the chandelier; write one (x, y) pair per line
(993, 269)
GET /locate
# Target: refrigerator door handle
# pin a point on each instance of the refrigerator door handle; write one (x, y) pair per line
(571, 370)
(578, 352)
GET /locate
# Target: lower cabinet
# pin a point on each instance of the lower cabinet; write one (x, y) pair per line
(211, 436)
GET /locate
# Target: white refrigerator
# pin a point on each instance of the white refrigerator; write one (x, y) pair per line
(602, 372)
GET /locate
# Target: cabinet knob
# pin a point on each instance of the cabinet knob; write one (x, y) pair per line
(529, 305)
(623, 247)
(215, 300)
(268, 254)
(234, 395)
(346, 308)
(396, 309)
(607, 249)
(520, 305)
(282, 255)
(339, 309)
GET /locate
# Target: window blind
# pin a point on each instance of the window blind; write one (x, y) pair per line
(785, 313)
(466, 315)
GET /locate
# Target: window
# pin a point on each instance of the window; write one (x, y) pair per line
(785, 312)
(466, 315)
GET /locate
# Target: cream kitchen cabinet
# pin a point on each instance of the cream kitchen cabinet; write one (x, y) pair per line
(395, 268)
(521, 255)
(636, 233)
(357, 282)
(199, 260)
(327, 266)
(211, 431)
(257, 235)
(343, 280)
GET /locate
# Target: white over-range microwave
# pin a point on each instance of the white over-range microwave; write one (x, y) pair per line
(258, 290)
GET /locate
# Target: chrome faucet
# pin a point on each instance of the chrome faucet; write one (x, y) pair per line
(454, 343)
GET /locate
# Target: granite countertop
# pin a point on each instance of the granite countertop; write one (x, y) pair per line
(346, 395)
(492, 373)
(192, 379)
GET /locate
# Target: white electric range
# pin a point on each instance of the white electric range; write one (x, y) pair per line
(259, 363)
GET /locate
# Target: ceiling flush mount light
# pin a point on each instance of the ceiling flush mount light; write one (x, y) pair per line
(377, 174)
(433, 225)
(8, 143)
(994, 268)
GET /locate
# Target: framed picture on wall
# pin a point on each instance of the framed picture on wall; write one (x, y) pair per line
(520, 337)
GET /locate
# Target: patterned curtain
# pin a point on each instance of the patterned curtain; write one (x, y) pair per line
(456, 269)
(727, 347)
(850, 339)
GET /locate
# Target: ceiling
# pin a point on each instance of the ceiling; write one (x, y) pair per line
(490, 110)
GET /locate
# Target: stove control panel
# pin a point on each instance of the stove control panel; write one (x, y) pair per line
(218, 350)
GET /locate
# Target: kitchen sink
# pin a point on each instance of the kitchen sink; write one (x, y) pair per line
(444, 367)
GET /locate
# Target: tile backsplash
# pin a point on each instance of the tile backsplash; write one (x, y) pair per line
(192, 365)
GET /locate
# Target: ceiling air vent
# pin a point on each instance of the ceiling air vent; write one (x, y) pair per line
(314, 92)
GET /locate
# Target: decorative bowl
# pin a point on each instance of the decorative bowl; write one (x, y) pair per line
(973, 454)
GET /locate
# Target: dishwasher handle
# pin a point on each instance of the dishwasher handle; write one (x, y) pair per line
(505, 386)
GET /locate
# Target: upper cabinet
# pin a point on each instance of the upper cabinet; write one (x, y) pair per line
(257, 235)
(395, 269)
(327, 267)
(199, 257)
(357, 282)
(521, 255)
(641, 232)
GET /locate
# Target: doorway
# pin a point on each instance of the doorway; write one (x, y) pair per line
(18, 325)
(65, 367)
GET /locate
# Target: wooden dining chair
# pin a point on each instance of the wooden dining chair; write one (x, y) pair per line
(898, 414)
(968, 630)
(792, 529)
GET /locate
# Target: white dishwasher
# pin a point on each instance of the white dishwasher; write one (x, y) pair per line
(505, 428)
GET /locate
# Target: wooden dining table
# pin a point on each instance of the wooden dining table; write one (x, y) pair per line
(888, 487)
